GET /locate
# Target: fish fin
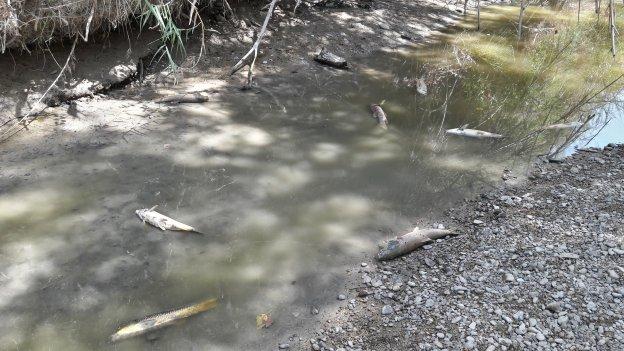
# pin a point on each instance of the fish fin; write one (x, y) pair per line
(153, 208)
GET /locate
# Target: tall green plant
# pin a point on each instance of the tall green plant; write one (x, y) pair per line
(171, 34)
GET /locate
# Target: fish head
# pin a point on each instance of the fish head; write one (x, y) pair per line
(141, 213)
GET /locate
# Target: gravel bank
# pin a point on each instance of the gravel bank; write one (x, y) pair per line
(540, 266)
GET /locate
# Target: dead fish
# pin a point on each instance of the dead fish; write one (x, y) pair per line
(379, 115)
(183, 98)
(409, 242)
(421, 86)
(329, 59)
(161, 221)
(571, 125)
(160, 320)
(473, 133)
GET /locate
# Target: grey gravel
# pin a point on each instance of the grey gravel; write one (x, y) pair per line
(541, 269)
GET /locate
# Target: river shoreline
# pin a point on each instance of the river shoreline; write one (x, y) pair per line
(539, 265)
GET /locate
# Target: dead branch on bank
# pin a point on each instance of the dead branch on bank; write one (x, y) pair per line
(250, 57)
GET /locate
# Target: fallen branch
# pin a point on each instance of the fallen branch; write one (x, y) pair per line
(248, 59)
(409, 242)
(183, 98)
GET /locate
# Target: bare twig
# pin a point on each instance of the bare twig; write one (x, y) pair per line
(248, 59)
(88, 26)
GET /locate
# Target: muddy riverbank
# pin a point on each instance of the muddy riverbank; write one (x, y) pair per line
(539, 265)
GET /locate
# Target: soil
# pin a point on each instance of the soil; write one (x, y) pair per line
(346, 29)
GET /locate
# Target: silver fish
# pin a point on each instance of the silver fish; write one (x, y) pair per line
(161, 221)
(421, 86)
(571, 125)
(473, 133)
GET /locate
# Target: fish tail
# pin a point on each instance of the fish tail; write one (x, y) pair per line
(204, 305)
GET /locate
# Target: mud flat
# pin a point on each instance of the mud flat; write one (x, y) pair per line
(540, 266)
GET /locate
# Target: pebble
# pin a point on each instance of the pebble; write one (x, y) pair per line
(554, 306)
(613, 274)
(386, 310)
(508, 277)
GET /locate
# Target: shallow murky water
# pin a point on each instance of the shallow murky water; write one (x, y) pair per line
(291, 184)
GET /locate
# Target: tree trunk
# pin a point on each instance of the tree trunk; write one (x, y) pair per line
(478, 15)
(578, 15)
(466, 6)
(522, 7)
(597, 4)
(612, 25)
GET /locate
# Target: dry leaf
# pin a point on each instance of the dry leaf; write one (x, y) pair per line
(263, 320)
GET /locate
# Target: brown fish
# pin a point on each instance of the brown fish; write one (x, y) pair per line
(160, 320)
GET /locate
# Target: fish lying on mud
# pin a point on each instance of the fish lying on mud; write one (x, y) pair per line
(379, 115)
(473, 133)
(571, 125)
(161, 221)
(160, 320)
(409, 242)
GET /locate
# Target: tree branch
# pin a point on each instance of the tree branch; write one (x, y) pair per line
(248, 59)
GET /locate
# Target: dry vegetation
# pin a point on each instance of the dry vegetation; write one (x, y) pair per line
(28, 22)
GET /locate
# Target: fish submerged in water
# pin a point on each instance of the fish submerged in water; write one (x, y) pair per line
(473, 133)
(160, 320)
(161, 221)
(379, 115)
(571, 125)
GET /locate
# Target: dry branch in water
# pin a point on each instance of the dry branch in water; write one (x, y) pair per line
(250, 57)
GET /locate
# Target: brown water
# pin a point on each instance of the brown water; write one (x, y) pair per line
(292, 185)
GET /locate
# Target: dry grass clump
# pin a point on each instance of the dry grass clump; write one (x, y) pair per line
(27, 22)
